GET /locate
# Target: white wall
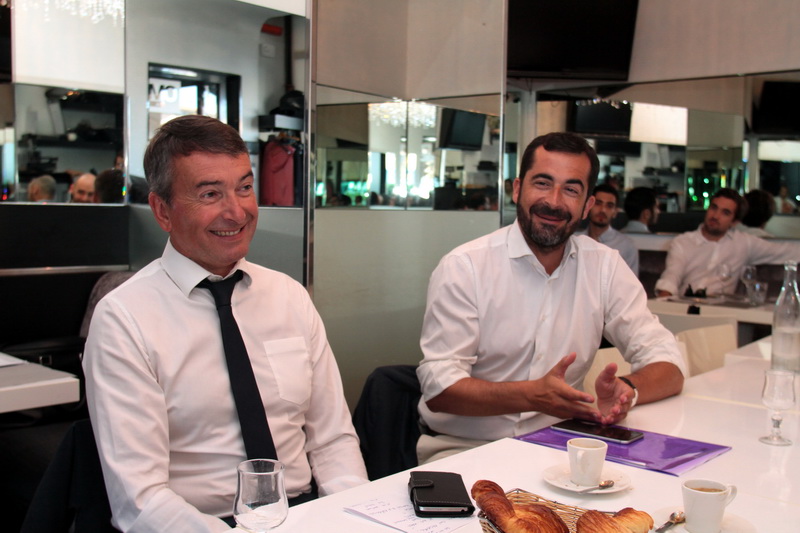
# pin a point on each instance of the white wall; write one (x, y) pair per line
(412, 48)
(216, 35)
(361, 45)
(455, 47)
(680, 39)
(371, 276)
(55, 45)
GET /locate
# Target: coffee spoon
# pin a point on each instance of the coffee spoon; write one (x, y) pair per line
(677, 517)
(607, 484)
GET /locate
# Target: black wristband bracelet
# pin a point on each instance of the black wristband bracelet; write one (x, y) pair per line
(635, 390)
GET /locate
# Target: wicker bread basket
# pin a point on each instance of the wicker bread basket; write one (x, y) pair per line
(568, 513)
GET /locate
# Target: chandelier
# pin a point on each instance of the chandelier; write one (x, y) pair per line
(95, 10)
(396, 112)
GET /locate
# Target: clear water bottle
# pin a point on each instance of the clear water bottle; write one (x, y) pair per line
(786, 323)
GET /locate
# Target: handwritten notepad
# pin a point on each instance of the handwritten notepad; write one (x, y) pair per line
(397, 513)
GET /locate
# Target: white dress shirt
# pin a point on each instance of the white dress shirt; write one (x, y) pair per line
(621, 243)
(694, 260)
(493, 313)
(161, 405)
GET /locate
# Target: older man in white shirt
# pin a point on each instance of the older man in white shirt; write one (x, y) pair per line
(168, 430)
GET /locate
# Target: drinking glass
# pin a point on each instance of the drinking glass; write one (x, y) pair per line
(725, 275)
(748, 277)
(778, 395)
(260, 503)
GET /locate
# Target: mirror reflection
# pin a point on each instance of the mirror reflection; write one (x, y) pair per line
(389, 153)
(65, 139)
(672, 137)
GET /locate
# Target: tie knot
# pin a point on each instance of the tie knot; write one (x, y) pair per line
(222, 290)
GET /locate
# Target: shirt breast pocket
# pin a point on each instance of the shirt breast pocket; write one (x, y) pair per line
(291, 367)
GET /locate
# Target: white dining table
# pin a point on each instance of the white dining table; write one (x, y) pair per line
(25, 385)
(761, 314)
(721, 407)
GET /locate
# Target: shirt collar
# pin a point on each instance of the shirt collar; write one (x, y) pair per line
(518, 247)
(186, 274)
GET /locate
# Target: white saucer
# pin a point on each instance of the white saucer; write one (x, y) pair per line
(731, 523)
(558, 476)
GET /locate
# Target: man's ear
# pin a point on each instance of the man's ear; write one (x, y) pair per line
(646, 216)
(516, 186)
(588, 207)
(161, 211)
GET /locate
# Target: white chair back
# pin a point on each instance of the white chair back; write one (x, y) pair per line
(706, 346)
(601, 359)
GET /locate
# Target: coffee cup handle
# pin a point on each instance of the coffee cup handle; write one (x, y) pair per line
(731, 494)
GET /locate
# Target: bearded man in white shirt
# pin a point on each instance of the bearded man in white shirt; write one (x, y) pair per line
(514, 318)
(697, 260)
(159, 393)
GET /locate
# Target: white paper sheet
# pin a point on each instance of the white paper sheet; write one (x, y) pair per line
(397, 512)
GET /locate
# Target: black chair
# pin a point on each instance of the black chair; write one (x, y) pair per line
(72, 494)
(386, 420)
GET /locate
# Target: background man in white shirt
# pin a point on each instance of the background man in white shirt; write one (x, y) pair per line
(514, 318)
(600, 216)
(158, 389)
(711, 258)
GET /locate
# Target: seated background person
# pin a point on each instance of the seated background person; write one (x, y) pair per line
(81, 190)
(42, 189)
(159, 394)
(695, 259)
(760, 208)
(600, 216)
(514, 318)
(641, 207)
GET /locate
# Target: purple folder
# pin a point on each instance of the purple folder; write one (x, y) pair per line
(655, 451)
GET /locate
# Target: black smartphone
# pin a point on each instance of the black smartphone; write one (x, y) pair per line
(591, 429)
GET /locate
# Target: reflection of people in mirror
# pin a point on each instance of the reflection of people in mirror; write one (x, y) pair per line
(641, 207)
(42, 189)
(108, 187)
(81, 190)
(761, 207)
(694, 257)
(784, 203)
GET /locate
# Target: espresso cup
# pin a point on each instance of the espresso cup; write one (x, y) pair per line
(586, 458)
(704, 503)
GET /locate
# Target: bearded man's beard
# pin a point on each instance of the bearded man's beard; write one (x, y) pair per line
(545, 236)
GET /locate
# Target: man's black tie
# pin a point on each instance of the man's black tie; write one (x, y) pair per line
(253, 419)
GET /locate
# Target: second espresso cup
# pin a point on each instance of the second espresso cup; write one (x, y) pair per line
(704, 503)
(586, 458)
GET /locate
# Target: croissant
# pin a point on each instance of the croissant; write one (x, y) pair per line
(511, 518)
(627, 520)
(635, 521)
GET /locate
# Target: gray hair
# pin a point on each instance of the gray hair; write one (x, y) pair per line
(181, 137)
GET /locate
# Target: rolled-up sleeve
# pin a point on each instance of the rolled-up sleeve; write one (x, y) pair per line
(450, 328)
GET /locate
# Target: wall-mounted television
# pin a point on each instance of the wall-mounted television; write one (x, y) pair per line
(461, 130)
(600, 118)
(574, 39)
(777, 111)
